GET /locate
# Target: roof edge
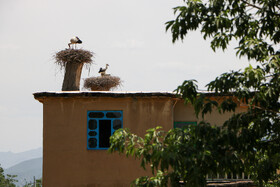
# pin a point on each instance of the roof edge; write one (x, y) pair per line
(87, 94)
(115, 94)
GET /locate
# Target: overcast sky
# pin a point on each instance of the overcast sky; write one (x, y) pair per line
(129, 35)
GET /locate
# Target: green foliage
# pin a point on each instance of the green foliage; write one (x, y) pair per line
(188, 90)
(254, 23)
(183, 155)
(255, 134)
(247, 142)
(8, 180)
(36, 183)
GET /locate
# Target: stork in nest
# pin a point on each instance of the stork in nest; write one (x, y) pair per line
(102, 71)
(75, 40)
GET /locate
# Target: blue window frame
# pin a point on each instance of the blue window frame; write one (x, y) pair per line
(180, 124)
(100, 126)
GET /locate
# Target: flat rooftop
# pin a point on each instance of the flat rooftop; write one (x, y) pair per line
(116, 94)
(88, 94)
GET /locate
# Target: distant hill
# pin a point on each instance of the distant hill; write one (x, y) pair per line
(8, 159)
(26, 170)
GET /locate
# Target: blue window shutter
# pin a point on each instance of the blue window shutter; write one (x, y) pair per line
(100, 126)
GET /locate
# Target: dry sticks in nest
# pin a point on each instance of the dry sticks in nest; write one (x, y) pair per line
(103, 83)
(73, 56)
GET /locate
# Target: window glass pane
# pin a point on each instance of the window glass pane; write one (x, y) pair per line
(104, 133)
(96, 114)
(181, 125)
(113, 115)
(184, 124)
(101, 125)
(117, 124)
(92, 124)
(92, 142)
(92, 133)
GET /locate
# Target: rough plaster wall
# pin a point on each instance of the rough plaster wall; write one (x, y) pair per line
(184, 112)
(67, 162)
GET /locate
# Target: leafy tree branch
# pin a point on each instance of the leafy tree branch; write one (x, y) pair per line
(249, 141)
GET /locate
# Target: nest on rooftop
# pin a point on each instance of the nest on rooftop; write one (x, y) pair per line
(102, 83)
(73, 56)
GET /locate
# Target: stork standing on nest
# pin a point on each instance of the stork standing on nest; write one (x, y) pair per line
(102, 71)
(75, 40)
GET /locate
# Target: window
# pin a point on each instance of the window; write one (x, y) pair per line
(100, 126)
(180, 124)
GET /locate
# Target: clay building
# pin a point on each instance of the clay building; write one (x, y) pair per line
(77, 126)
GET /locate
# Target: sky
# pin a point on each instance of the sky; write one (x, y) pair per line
(129, 35)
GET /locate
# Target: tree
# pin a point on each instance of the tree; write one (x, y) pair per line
(35, 183)
(248, 141)
(180, 156)
(8, 180)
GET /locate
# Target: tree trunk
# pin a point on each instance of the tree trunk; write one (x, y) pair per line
(72, 77)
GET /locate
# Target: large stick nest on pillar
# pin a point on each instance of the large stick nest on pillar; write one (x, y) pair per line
(102, 83)
(73, 56)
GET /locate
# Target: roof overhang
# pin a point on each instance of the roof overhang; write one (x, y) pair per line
(40, 96)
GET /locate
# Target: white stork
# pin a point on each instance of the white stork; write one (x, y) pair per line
(102, 71)
(75, 40)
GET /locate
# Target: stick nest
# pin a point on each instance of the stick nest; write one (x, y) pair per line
(73, 56)
(102, 83)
